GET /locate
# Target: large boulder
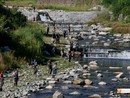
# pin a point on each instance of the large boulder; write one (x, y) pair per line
(58, 94)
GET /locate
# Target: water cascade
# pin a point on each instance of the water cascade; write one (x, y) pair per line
(106, 53)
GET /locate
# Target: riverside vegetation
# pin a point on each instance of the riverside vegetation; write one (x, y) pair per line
(116, 16)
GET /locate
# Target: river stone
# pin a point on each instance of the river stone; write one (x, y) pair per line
(93, 67)
(49, 78)
(119, 75)
(88, 82)
(72, 73)
(64, 87)
(114, 79)
(115, 68)
(85, 71)
(68, 82)
(128, 67)
(85, 66)
(99, 75)
(58, 94)
(102, 83)
(93, 63)
(65, 77)
(25, 92)
(85, 75)
(49, 87)
(52, 82)
(107, 44)
(4, 96)
(90, 87)
(75, 93)
(78, 82)
(95, 96)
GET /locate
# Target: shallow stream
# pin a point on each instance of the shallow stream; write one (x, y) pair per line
(104, 91)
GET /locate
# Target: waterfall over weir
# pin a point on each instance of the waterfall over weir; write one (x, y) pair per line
(106, 53)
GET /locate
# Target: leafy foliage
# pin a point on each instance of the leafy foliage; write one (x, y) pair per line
(118, 6)
(23, 37)
(29, 40)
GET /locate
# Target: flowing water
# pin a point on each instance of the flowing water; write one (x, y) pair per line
(108, 75)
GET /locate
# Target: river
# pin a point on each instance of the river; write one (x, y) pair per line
(104, 91)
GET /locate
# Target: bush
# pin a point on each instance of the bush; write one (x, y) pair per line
(8, 61)
(29, 40)
(104, 15)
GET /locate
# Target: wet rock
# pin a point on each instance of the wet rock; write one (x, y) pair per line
(25, 92)
(114, 79)
(85, 71)
(85, 75)
(64, 87)
(72, 72)
(90, 87)
(49, 87)
(99, 75)
(85, 66)
(115, 68)
(128, 67)
(78, 82)
(107, 44)
(49, 78)
(75, 93)
(68, 82)
(120, 75)
(66, 77)
(93, 65)
(102, 83)
(95, 96)
(88, 82)
(58, 94)
(52, 82)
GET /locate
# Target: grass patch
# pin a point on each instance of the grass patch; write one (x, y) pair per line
(62, 7)
(22, 3)
(80, 6)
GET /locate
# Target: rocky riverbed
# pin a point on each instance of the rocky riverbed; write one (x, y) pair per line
(80, 75)
(92, 80)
